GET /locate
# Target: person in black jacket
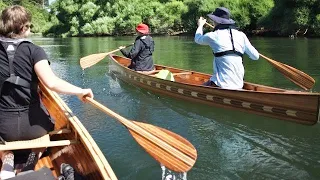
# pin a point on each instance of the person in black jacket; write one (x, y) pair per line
(141, 52)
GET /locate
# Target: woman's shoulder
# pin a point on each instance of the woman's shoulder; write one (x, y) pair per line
(33, 50)
(30, 45)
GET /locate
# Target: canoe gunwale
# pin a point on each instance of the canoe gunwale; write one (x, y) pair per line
(81, 134)
(281, 104)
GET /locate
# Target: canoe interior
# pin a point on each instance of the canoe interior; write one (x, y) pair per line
(84, 156)
(196, 78)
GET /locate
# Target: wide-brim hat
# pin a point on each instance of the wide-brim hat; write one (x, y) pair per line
(142, 28)
(221, 16)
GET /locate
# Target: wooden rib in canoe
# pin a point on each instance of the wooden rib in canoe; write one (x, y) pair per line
(69, 143)
(295, 106)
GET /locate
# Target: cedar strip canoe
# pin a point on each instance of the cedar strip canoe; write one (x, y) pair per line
(70, 143)
(85, 156)
(289, 105)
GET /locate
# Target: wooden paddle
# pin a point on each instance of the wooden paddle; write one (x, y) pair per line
(168, 148)
(296, 76)
(93, 59)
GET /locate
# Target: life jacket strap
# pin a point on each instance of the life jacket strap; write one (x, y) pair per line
(11, 46)
(219, 54)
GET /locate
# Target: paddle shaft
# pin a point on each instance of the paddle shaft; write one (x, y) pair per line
(149, 135)
(296, 76)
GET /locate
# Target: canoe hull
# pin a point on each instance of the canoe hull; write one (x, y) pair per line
(85, 156)
(300, 107)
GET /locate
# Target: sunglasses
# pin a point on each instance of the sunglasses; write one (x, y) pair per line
(29, 26)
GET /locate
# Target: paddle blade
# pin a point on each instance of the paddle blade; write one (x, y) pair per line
(296, 76)
(168, 148)
(91, 60)
(178, 154)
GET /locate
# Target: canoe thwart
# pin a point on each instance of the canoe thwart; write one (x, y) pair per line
(40, 142)
(181, 73)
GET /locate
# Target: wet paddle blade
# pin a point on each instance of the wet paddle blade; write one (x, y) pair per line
(91, 60)
(178, 154)
(296, 76)
(168, 148)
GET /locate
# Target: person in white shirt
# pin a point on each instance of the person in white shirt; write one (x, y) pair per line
(228, 45)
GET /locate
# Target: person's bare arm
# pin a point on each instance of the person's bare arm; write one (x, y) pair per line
(54, 83)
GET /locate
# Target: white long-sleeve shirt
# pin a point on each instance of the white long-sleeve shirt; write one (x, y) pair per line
(228, 70)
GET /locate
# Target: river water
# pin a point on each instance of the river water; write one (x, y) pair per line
(230, 144)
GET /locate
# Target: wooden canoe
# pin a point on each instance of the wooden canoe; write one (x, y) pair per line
(295, 106)
(70, 143)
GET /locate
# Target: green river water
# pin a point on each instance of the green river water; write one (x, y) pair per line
(230, 144)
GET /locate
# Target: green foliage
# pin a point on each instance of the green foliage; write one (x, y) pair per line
(293, 17)
(74, 30)
(258, 11)
(120, 17)
(101, 26)
(302, 16)
(196, 9)
(87, 11)
(65, 10)
(316, 25)
(173, 12)
(3, 5)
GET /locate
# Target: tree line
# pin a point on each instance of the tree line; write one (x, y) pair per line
(119, 17)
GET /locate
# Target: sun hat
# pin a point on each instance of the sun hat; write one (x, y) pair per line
(142, 28)
(221, 16)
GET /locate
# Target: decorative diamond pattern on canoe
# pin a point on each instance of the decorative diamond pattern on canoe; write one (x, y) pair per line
(216, 99)
(246, 105)
(227, 101)
(267, 108)
(291, 113)
(194, 94)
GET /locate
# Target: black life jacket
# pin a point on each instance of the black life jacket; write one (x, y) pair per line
(11, 46)
(233, 51)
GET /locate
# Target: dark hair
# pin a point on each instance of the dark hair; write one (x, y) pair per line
(12, 20)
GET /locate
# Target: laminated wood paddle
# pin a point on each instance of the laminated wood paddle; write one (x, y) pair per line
(296, 76)
(168, 148)
(93, 59)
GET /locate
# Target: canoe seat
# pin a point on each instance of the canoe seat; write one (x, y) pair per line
(40, 142)
(149, 72)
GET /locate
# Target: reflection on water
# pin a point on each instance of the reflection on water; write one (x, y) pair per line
(230, 144)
